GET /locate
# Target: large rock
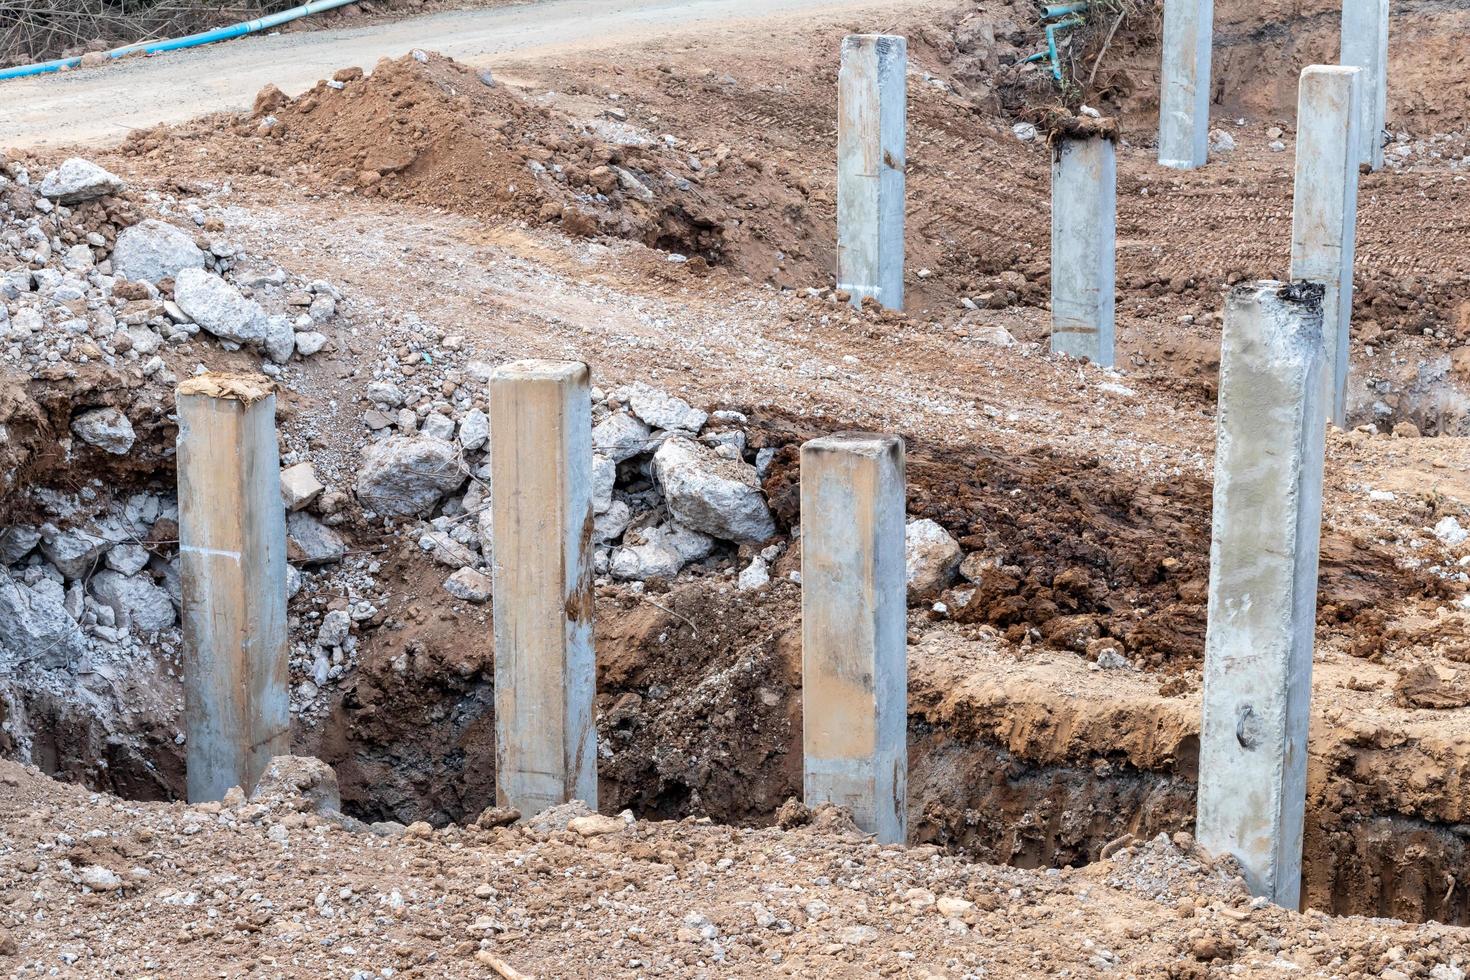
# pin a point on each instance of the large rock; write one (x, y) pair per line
(405, 476)
(292, 777)
(75, 553)
(931, 557)
(135, 599)
(620, 436)
(17, 542)
(219, 308)
(311, 542)
(153, 250)
(665, 411)
(36, 627)
(106, 428)
(709, 493)
(78, 180)
(663, 551)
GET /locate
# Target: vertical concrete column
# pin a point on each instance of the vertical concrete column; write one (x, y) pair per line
(541, 506)
(1365, 46)
(1184, 83)
(854, 625)
(232, 566)
(872, 123)
(1324, 220)
(1084, 184)
(1263, 584)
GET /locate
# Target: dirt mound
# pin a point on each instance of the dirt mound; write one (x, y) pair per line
(439, 133)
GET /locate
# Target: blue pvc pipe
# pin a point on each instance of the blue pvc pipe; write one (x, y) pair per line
(1062, 10)
(191, 41)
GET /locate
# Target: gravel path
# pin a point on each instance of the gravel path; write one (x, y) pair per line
(98, 106)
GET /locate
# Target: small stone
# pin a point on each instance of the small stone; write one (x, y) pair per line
(469, 585)
(596, 825)
(497, 816)
(310, 343)
(1449, 531)
(754, 576)
(99, 879)
(299, 486)
(336, 627)
(474, 430)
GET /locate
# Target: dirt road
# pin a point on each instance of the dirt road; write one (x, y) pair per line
(99, 105)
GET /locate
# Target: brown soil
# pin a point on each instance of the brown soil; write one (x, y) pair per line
(1075, 553)
(270, 888)
(39, 449)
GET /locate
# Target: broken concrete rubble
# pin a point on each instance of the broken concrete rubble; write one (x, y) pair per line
(710, 493)
(106, 428)
(153, 250)
(931, 557)
(78, 180)
(407, 476)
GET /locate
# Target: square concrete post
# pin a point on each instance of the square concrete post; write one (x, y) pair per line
(1184, 83)
(1325, 218)
(872, 122)
(232, 566)
(854, 626)
(541, 509)
(1263, 584)
(1365, 46)
(1084, 184)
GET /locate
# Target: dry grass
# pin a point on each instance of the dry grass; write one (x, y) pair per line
(37, 30)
